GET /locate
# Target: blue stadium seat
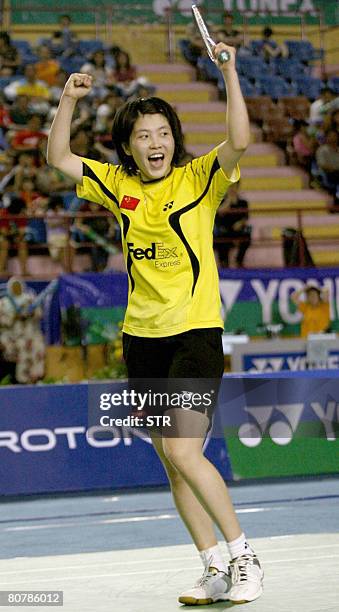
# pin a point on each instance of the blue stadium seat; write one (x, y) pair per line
(275, 86)
(256, 46)
(4, 81)
(333, 83)
(253, 67)
(303, 50)
(289, 68)
(36, 231)
(247, 88)
(87, 47)
(208, 69)
(308, 86)
(185, 49)
(23, 46)
(72, 64)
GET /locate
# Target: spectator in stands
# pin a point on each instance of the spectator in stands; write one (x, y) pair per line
(9, 56)
(82, 142)
(103, 227)
(47, 68)
(57, 88)
(50, 180)
(107, 109)
(303, 145)
(331, 120)
(327, 157)
(12, 234)
(101, 73)
(227, 33)
(57, 231)
(27, 85)
(25, 168)
(28, 138)
(69, 39)
(21, 339)
(316, 114)
(192, 46)
(20, 111)
(315, 309)
(34, 201)
(231, 223)
(271, 49)
(125, 74)
(5, 117)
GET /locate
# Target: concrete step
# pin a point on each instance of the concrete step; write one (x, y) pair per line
(282, 178)
(260, 154)
(270, 225)
(210, 134)
(317, 231)
(328, 257)
(273, 200)
(182, 92)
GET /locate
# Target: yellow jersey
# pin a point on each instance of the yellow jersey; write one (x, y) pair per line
(167, 239)
(316, 319)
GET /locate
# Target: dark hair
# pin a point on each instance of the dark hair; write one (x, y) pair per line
(6, 38)
(55, 201)
(17, 205)
(267, 32)
(117, 61)
(124, 121)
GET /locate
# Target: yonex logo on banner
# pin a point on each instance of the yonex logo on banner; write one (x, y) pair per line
(282, 429)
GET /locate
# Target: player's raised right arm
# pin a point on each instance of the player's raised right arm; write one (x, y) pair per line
(59, 153)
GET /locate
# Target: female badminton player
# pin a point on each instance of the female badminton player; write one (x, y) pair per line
(172, 327)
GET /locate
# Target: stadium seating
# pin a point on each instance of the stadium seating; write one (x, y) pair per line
(333, 83)
(275, 86)
(303, 50)
(308, 86)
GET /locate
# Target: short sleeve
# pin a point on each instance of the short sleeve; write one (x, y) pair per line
(98, 184)
(210, 178)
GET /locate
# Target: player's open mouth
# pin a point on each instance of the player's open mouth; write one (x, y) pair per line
(156, 160)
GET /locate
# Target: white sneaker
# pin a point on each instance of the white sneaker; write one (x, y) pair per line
(211, 587)
(247, 579)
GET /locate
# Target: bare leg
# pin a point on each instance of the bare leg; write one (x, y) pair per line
(185, 454)
(194, 516)
(3, 255)
(23, 256)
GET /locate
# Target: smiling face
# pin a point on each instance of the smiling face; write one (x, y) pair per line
(152, 146)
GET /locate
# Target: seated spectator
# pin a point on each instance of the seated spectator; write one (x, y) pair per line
(101, 73)
(125, 74)
(107, 109)
(331, 119)
(5, 117)
(303, 145)
(24, 168)
(193, 46)
(271, 49)
(50, 180)
(55, 44)
(103, 227)
(12, 234)
(9, 56)
(227, 34)
(47, 68)
(316, 114)
(28, 138)
(327, 158)
(29, 85)
(82, 142)
(232, 224)
(20, 111)
(34, 201)
(21, 339)
(57, 230)
(315, 310)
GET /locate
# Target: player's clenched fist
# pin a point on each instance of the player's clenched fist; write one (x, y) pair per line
(78, 86)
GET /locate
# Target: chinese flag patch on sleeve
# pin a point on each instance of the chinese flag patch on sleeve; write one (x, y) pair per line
(129, 202)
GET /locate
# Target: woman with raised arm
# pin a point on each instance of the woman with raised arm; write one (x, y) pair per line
(172, 328)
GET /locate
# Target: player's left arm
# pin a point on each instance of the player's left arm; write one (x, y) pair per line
(237, 122)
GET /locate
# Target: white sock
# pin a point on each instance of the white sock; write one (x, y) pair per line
(239, 547)
(213, 558)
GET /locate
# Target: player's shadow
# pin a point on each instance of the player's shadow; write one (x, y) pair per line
(219, 605)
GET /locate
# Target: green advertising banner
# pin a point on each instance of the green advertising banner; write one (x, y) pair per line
(276, 12)
(281, 426)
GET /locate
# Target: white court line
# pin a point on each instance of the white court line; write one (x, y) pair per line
(158, 571)
(132, 519)
(143, 561)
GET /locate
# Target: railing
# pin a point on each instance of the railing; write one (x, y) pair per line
(68, 219)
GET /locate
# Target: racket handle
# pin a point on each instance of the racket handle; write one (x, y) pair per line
(224, 57)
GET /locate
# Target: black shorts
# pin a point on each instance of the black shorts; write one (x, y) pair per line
(196, 355)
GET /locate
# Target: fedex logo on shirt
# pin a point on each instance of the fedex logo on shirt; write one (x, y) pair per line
(157, 252)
